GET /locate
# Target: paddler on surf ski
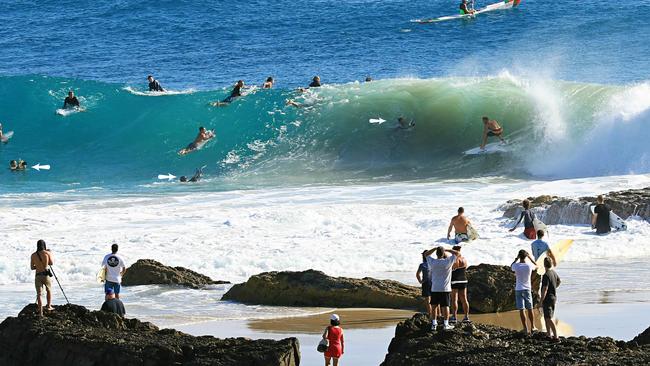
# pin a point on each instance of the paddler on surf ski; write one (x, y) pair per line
(491, 128)
(464, 10)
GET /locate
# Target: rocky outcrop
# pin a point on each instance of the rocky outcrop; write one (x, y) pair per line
(555, 210)
(73, 335)
(415, 344)
(643, 338)
(150, 272)
(491, 290)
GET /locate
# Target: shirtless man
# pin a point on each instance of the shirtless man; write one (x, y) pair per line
(459, 224)
(403, 124)
(491, 128)
(203, 136)
(40, 260)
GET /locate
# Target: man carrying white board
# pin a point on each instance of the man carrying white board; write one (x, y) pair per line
(459, 223)
(539, 247)
(491, 128)
(600, 219)
(523, 294)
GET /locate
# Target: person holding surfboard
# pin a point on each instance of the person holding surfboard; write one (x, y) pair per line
(528, 216)
(203, 136)
(550, 282)
(539, 247)
(71, 101)
(459, 223)
(600, 218)
(491, 128)
(154, 85)
(114, 267)
(523, 294)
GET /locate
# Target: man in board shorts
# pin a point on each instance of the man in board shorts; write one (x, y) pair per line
(491, 128)
(459, 223)
(459, 287)
(440, 268)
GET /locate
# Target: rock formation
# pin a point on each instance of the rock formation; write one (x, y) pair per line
(150, 272)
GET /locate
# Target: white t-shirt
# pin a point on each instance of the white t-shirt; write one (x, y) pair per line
(114, 265)
(522, 272)
(440, 273)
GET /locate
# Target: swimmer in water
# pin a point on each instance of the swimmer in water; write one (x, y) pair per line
(154, 85)
(268, 84)
(71, 101)
(315, 82)
(200, 139)
(195, 178)
(403, 124)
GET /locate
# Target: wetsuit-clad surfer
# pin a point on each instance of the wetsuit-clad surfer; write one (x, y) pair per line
(315, 83)
(491, 128)
(195, 178)
(70, 101)
(201, 138)
(403, 124)
(154, 85)
(235, 93)
(464, 9)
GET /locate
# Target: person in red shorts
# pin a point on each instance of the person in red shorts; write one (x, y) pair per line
(334, 334)
(528, 216)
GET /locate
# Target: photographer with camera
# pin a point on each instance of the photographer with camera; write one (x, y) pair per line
(40, 261)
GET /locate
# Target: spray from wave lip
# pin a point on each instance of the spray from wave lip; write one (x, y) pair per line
(126, 138)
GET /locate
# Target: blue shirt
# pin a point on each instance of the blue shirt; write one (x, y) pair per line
(538, 247)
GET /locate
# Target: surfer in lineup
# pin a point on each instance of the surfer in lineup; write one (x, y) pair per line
(154, 85)
(539, 247)
(528, 216)
(491, 128)
(203, 136)
(600, 218)
(464, 9)
(235, 93)
(71, 101)
(459, 223)
(268, 84)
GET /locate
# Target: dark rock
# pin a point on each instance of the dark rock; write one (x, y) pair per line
(73, 335)
(491, 289)
(555, 210)
(150, 272)
(476, 344)
(643, 338)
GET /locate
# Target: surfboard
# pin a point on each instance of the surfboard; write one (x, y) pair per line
(68, 111)
(7, 136)
(471, 232)
(101, 275)
(157, 93)
(615, 221)
(559, 251)
(199, 146)
(492, 7)
(539, 225)
(495, 147)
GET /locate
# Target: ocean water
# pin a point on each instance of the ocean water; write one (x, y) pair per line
(318, 186)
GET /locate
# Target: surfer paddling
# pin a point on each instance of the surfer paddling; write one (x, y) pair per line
(491, 128)
(459, 223)
(71, 101)
(234, 94)
(154, 85)
(203, 136)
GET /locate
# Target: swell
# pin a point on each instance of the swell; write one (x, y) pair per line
(124, 139)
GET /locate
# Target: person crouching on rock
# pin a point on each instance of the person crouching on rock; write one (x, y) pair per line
(334, 334)
(112, 304)
(422, 275)
(523, 295)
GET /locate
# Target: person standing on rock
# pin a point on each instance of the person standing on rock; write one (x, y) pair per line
(112, 304)
(334, 335)
(114, 267)
(459, 223)
(459, 287)
(424, 279)
(40, 260)
(523, 294)
(550, 282)
(600, 219)
(528, 216)
(440, 269)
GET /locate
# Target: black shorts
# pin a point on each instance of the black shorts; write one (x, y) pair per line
(548, 307)
(440, 298)
(426, 289)
(493, 133)
(459, 286)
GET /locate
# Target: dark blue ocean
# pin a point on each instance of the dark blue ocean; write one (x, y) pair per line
(559, 75)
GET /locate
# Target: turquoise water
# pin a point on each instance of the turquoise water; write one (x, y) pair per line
(562, 78)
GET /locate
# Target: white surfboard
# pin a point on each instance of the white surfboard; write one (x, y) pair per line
(496, 6)
(68, 111)
(157, 93)
(559, 250)
(539, 225)
(495, 147)
(7, 136)
(615, 221)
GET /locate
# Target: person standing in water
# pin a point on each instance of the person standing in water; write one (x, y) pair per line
(71, 101)
(550, 282)
(424, 278)
(459, 223)
(528, 216)
(154, 85)
(334, 334)
(523, 294)
(491, 128)
(539, 246)
(600, 219)
(459, 287)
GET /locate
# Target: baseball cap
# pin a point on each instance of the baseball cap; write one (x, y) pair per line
(334, 317)
(110, 291)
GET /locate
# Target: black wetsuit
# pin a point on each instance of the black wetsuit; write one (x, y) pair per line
(314, 84)
(602, 220)
(155, 86)
(236, 93)
(70, 102)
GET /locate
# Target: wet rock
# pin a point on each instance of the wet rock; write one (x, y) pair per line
(643, 338)
(476, 344)
(150, 272)
(73, 335)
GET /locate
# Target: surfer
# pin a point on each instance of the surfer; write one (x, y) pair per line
(539, 246)
(459, 223)
(18, 165)
(40, 260)
(528, 216)
(235, 93)
(315, 82)
(523, 295)
(70, 101)
(268, 84)
(459, 287)
(154, 85)
(491, 128)
(550, 282)
(112, 304)
(464, 9)
(195, 178)
(600, 219)
(424, 279)
(368, 79)
(200, 139)
(403, 124)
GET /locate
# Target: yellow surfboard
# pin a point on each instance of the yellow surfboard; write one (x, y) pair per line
(559, 251)
(101, 275)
